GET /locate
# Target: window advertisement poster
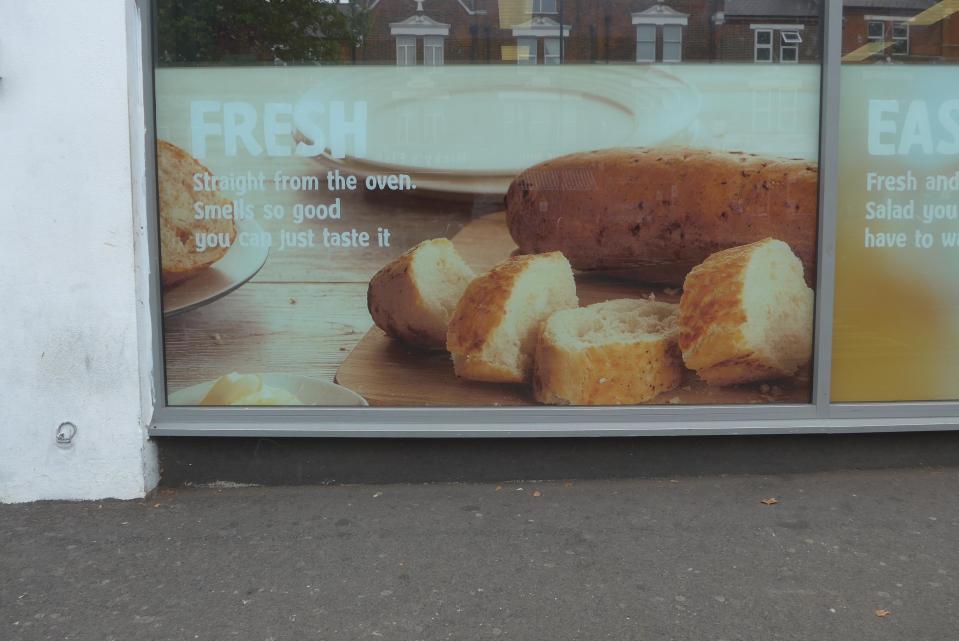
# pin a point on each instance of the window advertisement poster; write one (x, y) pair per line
(896, 326)
(472, 203)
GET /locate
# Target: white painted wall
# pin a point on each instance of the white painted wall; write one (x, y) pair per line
(71, 325)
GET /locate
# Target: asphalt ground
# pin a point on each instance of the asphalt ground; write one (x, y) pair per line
(834, 555)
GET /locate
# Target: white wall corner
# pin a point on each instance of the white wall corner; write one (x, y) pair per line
(73, 315)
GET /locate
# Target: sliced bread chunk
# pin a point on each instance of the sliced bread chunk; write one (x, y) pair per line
(413, 298)
(746, 314)
(620, 352)
(493, 332)
(178, 226)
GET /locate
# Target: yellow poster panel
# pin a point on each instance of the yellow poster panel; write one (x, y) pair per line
(896, 323)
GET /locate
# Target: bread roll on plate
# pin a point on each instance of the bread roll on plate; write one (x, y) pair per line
(746, 314)
(178, 227)
(620, 352)
(413, 298)
(493, 331)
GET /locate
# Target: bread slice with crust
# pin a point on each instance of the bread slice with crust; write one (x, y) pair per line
(413, 297)
(620, 352)
(746, 314)
(493, 332)
(178, 227)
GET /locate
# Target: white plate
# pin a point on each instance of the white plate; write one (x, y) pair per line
(238, 265)
(473, 129)
(310, 391)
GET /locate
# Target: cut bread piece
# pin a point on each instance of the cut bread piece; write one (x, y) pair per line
(493, 332)
(178, 227)
(413, 298)
(620, 352)
(746, 314)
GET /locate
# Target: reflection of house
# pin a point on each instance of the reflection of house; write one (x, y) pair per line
(434, 32)
(893, 29)
(771, 31)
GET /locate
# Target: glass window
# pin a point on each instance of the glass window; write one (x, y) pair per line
(551, 51)
(405, 50)
(291, 196)
(789, 47)
(763, 50)
(672, 43)
(646, 43)
(526, 50)
(433, 50)
(900, 38)
(896, 310)
(544, 6)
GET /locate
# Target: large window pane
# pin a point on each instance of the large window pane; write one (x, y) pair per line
(896, 327)
(322, 210)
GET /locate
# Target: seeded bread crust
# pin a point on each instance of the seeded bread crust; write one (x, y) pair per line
(179, 257)
(656, 213)
(712, 318)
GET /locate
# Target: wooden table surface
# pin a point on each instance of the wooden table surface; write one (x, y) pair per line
(306, 308)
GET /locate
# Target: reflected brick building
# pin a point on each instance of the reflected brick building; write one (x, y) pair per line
(434, 32)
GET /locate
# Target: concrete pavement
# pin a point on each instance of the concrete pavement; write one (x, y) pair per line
(682, 559)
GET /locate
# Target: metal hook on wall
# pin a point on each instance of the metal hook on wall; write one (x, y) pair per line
(66, 432)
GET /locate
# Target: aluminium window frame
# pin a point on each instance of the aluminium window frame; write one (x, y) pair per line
(818, 416)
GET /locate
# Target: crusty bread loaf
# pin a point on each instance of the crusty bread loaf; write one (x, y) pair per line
(413, 298)
(746, 314)
(178, 228)
(493, 331)
(656, 213)
(619, 352)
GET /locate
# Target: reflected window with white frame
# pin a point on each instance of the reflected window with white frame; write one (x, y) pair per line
(789, 46)
(405, 51)
(646, 43)
(551, 51)
(763, 45)
(672, 43)
(433, 50)
(544, 6)
(876, 34)
(526, 53)
(900, 38)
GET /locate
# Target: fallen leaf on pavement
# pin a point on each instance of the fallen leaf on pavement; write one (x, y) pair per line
(770, 501)
(537, 493)
(568, 484)
(499, 488)
(882, 614)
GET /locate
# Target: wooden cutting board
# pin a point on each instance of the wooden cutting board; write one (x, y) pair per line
(389, 373)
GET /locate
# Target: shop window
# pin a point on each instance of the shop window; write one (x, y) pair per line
(672, 43)
(405, 51)
(646, 43)
(789, 46)
(763, 47)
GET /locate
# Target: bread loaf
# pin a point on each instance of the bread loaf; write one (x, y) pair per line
(178, 227)
(746, 314)
(493, 331)
(413, 298)
(615, 353)
(657, 213)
